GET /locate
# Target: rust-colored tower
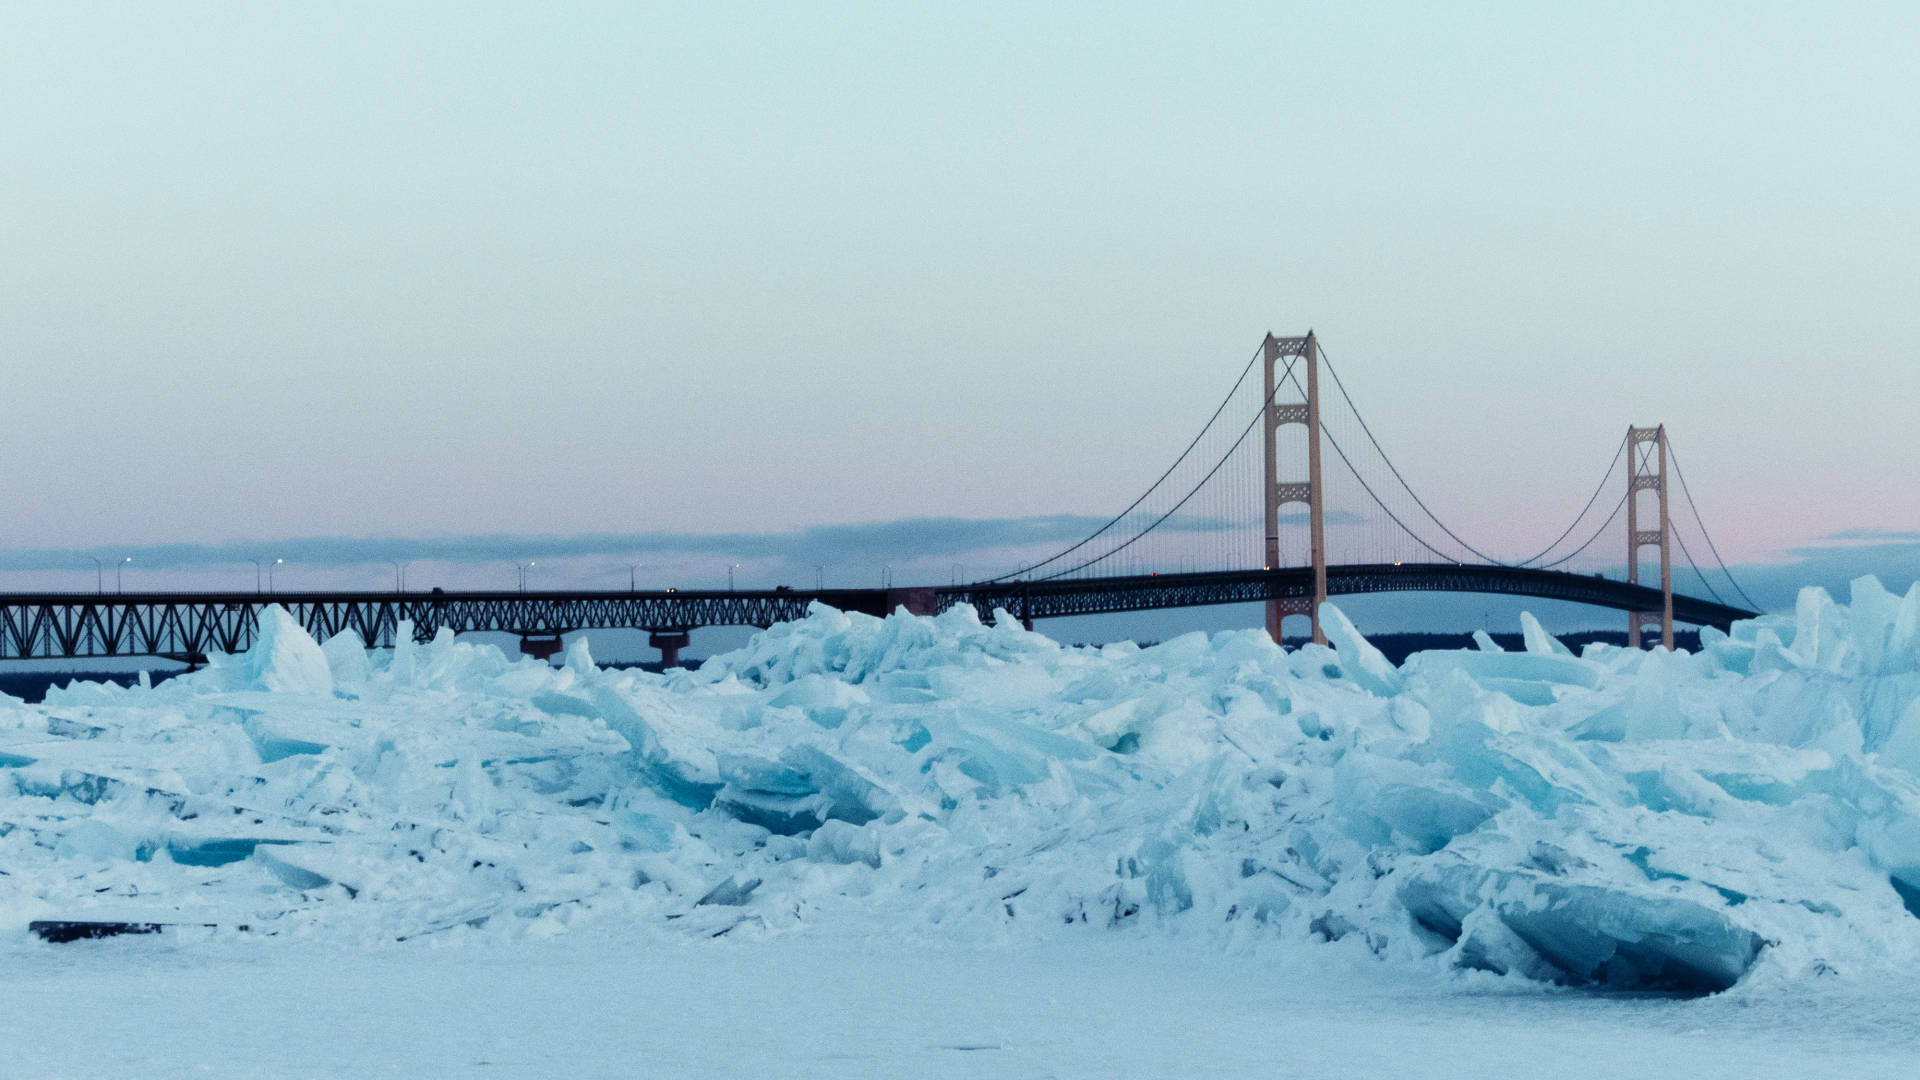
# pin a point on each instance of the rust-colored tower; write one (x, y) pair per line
(1278, 493)
(1647, 471)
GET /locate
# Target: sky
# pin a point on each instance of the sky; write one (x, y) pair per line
(282, 275)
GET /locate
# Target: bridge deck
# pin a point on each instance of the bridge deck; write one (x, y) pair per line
(192, 625)
(1052, 599)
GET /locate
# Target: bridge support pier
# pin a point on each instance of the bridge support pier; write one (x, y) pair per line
(544, 646)
(669, 642)
(1278, 493)
(1647, 471)
(917, 601)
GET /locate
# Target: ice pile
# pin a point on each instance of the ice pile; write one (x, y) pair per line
(1617, 818)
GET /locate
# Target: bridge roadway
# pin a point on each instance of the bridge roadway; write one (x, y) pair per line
(188, 626)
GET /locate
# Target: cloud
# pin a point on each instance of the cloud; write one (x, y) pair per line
(1893, 556)
(1875, 533)
(1896, 563)
(1775, 586)
(903, 539)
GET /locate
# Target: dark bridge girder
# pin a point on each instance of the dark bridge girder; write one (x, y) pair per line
(189, 626)
(1094, 596)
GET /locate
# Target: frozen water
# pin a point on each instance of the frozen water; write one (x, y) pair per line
(1635, 820)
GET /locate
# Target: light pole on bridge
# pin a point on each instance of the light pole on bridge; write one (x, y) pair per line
(99, 575)
(399, 575)
(731, 567)
(117, 586)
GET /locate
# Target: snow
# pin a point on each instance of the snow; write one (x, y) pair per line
(1099, 1006)
(1745, 818)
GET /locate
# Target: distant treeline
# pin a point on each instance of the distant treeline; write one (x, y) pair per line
(33, 685)
(1397, 647)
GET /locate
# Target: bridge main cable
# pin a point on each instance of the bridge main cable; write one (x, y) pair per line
(1195, 490)
(1151, 488)
(1697, 520)
(1421, 503)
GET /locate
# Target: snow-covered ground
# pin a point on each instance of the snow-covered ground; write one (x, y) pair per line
(856, 845)
(815, 1005)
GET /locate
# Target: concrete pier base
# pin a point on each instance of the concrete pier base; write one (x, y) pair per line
(544, 646)
(669, 642)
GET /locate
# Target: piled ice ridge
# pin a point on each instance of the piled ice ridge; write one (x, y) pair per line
(1616, 818)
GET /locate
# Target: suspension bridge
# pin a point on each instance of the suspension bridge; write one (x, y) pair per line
(1285, 498)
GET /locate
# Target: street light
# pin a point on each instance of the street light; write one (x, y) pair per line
(731, 567)
(270, 567)
(256, 575)
(99, 574)
(116, 573)
(633, 576)
(522, 569)
(400, 575)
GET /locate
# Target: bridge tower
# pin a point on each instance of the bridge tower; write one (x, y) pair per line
(1280, 492)
(1647, 471)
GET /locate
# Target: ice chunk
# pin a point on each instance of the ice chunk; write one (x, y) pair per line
(847, 792)
(1400, 805)
(1538, 641)
(732, 891)
(285, 659)
(210, 852)
(1581, 934)
(98, 841)
(401, 668)
(1528, 678)
(839, 842)
(825, 701)
(579, 658)
(1819, 638)
(1901, 747)
(1367, 665)
(347, 659)
(291, 873)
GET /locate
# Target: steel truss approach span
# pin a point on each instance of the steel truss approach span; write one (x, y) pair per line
(190, 626)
